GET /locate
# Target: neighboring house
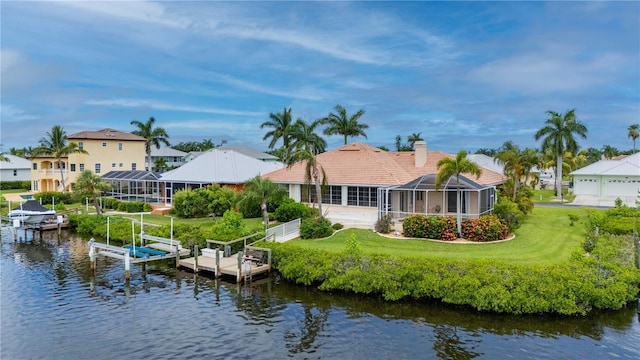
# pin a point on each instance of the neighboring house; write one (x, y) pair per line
(192, 155)
(365, 182)
(173, 158)
(108, 150)
(216, 166)
(15, 169)
(602, 182)
(487, 162)
(249, 152)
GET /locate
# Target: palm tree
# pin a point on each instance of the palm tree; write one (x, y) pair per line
(261, 189)
(558, 133)
(3, 158)
(281, 125)
(341, 123)
(154, 135)
(411, 139)
(512, 159)
(160, 163)
(307, 145)
(91, 186)
(448, 167)
(634, 133)
(609, 152)
(57, 145)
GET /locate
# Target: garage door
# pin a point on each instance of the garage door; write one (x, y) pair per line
(586, 186)
(621, 187)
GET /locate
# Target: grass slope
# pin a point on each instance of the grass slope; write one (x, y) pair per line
(544, 238)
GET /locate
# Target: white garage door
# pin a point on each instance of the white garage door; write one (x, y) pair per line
(586, 186)
(621, 187)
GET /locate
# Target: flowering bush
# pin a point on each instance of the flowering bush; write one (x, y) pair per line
(484, 228)
(430, 227)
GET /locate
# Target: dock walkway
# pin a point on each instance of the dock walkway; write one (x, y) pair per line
(242, 265)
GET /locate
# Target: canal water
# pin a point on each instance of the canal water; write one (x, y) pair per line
(53, 306)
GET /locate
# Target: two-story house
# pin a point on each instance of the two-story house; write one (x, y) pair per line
(107, 150)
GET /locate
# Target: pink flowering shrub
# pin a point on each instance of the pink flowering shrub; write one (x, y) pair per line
(484, 228)
(430, 227)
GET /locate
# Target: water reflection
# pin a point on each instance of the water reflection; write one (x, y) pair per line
(163, 303)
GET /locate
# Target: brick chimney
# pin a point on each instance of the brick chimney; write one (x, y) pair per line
(420, 153)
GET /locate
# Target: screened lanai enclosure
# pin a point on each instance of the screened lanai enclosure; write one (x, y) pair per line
(135, 185)
(421, 197)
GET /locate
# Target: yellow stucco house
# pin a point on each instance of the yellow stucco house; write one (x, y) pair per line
(108, 150)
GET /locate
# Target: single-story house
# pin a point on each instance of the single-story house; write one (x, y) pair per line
(602, 182)
(220, 166)
(365, 183)
(15, 169)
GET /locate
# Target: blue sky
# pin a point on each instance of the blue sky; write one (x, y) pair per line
(466, 75)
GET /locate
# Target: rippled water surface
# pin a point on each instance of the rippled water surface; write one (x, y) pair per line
(53, 307)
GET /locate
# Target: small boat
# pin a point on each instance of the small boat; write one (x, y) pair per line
(31, 212)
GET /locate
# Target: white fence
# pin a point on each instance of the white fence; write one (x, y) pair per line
(285, 232)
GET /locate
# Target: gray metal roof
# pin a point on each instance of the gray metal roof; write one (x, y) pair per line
(627, 166)
(15, 162)
(221, 166)
(487, 162)
(249, 152)
(166, 151)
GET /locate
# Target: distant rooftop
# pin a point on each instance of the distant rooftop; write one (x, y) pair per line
(106, 134)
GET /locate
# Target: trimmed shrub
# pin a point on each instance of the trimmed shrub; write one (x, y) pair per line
(384, 225)
(509, 213)
(47, 197)
(291, 210)
(134, 206)
(430, 227)
(337, 226)
(315, 228)
(484, 228)
(15, 185)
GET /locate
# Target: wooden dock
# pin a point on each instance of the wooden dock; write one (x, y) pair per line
(242, 266)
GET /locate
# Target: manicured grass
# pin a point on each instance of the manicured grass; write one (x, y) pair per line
(544, 238)
(549, 196)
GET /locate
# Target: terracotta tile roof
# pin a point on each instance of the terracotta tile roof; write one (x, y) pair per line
(106, 134)
(361, 164)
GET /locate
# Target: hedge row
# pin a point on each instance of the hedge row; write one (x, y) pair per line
(607, 279)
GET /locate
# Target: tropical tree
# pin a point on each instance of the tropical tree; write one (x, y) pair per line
(154, 135)
(344, 124)
(3, 158)
(634, 133)
(447, 168)
(91, 185)
(160, 163)
(307, 145)
(281, 125)
(558, 133)
(609, 152)
(261, 190)
(411, 139)
(57, 145)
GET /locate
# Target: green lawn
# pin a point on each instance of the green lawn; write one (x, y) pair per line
(544, 238)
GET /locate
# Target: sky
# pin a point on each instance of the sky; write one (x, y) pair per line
(464, 75)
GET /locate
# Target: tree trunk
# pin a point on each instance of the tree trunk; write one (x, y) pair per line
(64, 188)
(318, 190)
(265, 214)
(97, 205)
(458, 208)
(149, 161)
(559, 178)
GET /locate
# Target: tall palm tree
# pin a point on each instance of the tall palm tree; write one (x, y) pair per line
(634, 133)
(57, 145)
(307, 145)
(154, 135)
(91, 185)
(344, 124)
(448, 167)
(609, 152)
(281, 125)
(558, 133)
(411, 139)
(512, 159)
(261, 189)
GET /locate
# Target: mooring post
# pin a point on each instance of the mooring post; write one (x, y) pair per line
(239, 271)
(217, 268)
(195, 257)
(92, 255)
(127, 266)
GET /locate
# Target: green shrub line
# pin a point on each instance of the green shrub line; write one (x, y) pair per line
(605, 278)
